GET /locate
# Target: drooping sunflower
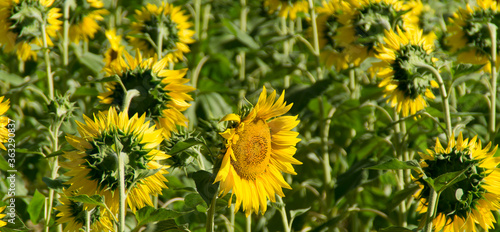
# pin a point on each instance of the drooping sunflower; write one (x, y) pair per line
(4, 120)
(287, 8)
(469, 202)
(365, 21)
(74, 214)
(405, 85)
(93, 166)
(333, 52)
(163, 93)
(259, 147)
(174, 25)
(84, 20)
(114, 54)
(21, 25)
(2, 223)
(468, 33)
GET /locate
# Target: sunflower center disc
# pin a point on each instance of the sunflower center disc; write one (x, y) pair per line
(252, 150)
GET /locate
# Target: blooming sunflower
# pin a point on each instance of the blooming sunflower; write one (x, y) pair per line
(402, 82)
(365, 21)
(163, 93)
(4, 120)
(21, 23)
(93, 166)
(471, 200)
(114, 53)
(286, 7)
(85, 19)
(333, 53)
(75, 214)
(468, 33)
(258, 150)
(168, 18)
(2, 223)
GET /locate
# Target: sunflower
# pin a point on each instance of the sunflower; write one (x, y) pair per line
(84, 21)
(333, 53)
(75, 214)
(471, 200)
(114, 53)
(403, 83)
(163, 93)
(287, 8)
(2, 223)
(4, 120)
(258, 150)
(21, 23)
(171, 21)
(468, 33)
(413, 21)
(93, 166)
(364, 23)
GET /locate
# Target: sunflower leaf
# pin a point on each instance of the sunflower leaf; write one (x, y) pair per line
(56, 184)
(240, 35)
(92, 200)
(394, 164)
(297, 212)
(395, 229)
(194, 199)
(183, 145)
(460, 70)
(446, 180)
(204, 185)
(149, 214)
(36, 205)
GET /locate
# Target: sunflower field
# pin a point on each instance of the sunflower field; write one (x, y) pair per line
(266, 115)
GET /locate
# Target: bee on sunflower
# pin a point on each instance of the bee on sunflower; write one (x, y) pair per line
(4, 120)
(84, 20)
(469, 36)
(21, 23)
(404, 84)
(162, 92)
(259, 146)
(93, 166)
(469, 202)
(164, 26)
(287, 8)
(74, 214)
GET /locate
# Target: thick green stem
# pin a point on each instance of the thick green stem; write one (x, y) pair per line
(231, 218)
(122, 194)
(284, 217)
(209, 227)
(197, 17)
(431, 208)
(243, 27)
(159, 40)
(128, 98)
(54, 134)
(444, 96)
(492, 125)
(87, 220)
(50, 78)
(66, 32)
(249, 223)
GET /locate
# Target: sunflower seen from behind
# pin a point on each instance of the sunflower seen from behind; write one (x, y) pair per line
(404, 83)
(21, 24)
(287, 8)
(175, 27)
(74, 215)
(163, 93)
(115, 52)
(84, 19)
(93, 166)
(468, 33)
(259, 147)
(467, 204)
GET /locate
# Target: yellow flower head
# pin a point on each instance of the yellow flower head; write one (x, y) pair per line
(175, 29)
(114, 55)
(469, 202)
(287, 8)
(75, 214)
(403, 82)
(93, 166)
(2, 223)
(468, 33)
(163, 93)
(4, 120)
(259, 147)
(21, 25)
(85, 19)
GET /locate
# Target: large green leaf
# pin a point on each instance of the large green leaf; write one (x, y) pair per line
(36, 206)
(91, 200)
(149, 214)
(240, 35)
(394, 164)
(205, 186)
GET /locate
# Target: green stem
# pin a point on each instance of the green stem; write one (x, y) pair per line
(197, 17)
(54, 134)
(433, 202)
(87, 220)
(284, 217)
(128, 98)
(50, 78)
(159, 40)
(231, 218)
(315, 37)
(249, 223)
(243, 27)
(121, 188)
(66, 32)
(211, 215)
(444, 96)
(493, 95)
